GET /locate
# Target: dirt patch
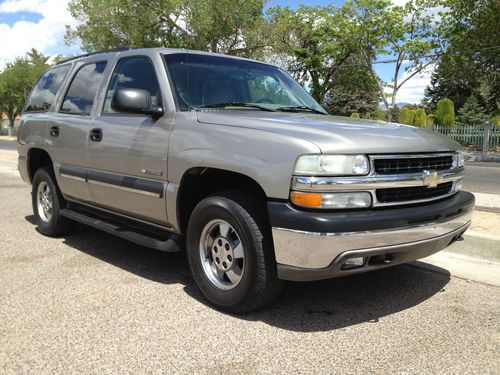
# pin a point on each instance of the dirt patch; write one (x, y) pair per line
(486, 223)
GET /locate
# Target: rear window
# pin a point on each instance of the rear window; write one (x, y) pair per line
(82, 91)
(43, 94)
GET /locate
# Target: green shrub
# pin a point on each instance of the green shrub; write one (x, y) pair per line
(380, 115)
(355, 115)
(445, 113)
(407, 116)
(430, 119)
(404, 116)
(420, 118)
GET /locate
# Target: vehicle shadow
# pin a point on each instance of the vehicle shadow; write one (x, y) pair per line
(302, 307)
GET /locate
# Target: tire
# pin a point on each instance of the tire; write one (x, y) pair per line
(245, 277)
(49, 221)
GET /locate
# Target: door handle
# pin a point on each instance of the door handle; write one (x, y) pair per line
(96, 135)
(54, 131)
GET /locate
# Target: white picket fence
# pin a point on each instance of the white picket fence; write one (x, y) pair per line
(481, 137)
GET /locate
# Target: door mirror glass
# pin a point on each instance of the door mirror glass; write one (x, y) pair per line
(134, 101)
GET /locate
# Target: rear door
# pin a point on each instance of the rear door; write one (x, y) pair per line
(68, 129)
(127, 153)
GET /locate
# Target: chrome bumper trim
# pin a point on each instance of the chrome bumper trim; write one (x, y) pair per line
(318, 250)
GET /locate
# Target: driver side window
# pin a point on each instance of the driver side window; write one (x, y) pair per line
(135, 72)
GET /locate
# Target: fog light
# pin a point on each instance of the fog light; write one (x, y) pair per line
(353, 263)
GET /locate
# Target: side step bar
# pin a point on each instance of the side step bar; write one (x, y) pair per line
(169, 242)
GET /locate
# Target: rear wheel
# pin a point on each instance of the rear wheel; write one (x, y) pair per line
(47, 203)
(230, 253)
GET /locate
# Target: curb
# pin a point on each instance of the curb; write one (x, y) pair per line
(482, 157)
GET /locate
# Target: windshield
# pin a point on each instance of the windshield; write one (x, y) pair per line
(211, 81)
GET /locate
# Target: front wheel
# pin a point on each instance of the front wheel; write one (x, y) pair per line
(230, 253)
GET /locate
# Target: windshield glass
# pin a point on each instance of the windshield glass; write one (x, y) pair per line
(207, 81)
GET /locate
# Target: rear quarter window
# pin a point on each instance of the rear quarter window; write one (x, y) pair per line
(43, 94)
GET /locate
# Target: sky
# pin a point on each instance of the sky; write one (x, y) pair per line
(42, 23)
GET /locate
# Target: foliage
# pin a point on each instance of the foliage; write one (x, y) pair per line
(351, 90)
(405, 117)
(226, 26)
(420, 118)
(312, 38)
(472, 113)
(445, 113)
(430, 119)
(355, 115)
(470, 32)
(16, 81)
(406, 32)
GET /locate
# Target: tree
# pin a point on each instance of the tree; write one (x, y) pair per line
(315, 43)
(445, 113)
(405, 32)
(226, 26)
(472, 113)
(16, 81)
(351, 90)
(469, 33)
(420, 118)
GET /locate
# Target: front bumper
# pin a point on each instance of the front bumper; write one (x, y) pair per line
(315, 245)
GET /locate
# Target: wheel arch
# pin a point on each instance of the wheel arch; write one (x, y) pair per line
(37, 158)
(198, 183)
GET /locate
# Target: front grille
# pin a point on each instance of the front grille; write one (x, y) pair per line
(412, 165)
(413, 193)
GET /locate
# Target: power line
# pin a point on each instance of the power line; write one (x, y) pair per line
(391, 61)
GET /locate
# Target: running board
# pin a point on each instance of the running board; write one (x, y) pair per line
(168, 242)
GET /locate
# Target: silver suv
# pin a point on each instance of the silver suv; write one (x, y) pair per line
(233, 161)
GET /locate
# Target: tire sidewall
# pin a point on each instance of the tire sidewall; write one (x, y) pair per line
(225, 209)
(48, 228)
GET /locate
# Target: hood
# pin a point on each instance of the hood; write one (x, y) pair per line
(335, 134)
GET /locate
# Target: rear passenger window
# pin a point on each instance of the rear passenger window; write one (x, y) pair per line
(43, 94)
(82, 91)
(133, 73)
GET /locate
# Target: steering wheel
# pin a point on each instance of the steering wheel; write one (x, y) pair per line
(265, 100)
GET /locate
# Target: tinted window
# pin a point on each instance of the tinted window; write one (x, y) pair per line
(133, 73)
(204, 80)
(83, 89)
(45, 90)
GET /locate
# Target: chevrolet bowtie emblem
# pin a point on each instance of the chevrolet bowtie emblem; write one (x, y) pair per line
(432, 179)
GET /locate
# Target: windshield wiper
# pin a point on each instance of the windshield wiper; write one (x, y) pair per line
(299, 108)
(235, 104)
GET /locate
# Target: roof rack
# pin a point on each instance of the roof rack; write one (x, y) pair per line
(118, 49)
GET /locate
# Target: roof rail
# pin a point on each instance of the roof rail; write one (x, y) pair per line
(117, 49)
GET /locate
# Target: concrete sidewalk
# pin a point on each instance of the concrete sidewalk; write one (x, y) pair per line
(488, 202)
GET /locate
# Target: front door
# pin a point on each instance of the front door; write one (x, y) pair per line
(127, 153)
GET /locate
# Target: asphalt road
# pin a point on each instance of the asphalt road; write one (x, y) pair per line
(91, 303)
(482, 177)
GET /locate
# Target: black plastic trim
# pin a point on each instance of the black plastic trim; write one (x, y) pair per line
(284, 215)
(72, 170)
(150, 186)
(155, 187)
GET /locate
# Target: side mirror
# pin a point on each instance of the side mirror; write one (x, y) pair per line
(134, 101)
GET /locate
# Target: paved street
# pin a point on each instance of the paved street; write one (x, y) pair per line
(482, 177)
(91, 303)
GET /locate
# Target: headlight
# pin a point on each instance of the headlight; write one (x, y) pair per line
(333, 165)
(459, 159)
(357, 199)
